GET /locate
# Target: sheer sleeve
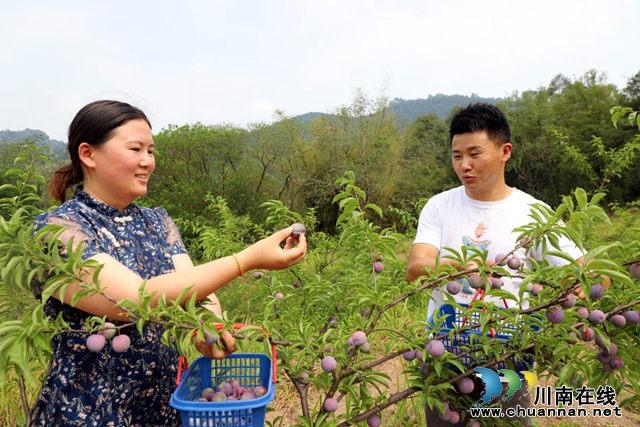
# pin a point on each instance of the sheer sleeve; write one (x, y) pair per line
(174, 240)
(80, 234)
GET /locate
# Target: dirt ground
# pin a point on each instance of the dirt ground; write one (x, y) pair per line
(287, 405)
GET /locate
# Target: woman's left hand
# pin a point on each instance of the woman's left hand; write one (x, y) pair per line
(224, 348)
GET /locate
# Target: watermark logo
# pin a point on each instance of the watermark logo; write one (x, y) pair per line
(557, 401)
(493, 384)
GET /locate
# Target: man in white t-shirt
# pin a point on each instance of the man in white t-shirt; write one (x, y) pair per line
(481, 213)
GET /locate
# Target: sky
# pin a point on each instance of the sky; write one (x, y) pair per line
(223, 61)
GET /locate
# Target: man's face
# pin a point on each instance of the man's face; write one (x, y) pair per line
(479, 163)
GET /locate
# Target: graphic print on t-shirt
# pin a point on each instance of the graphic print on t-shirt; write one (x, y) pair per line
(474, 242)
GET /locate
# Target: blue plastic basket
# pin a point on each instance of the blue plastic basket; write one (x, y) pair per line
(250, 370)
(454, 320)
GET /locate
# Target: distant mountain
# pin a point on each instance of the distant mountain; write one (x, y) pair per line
(40, 138)
(408, 110)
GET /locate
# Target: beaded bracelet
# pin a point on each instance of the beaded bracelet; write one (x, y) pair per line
(239, 265)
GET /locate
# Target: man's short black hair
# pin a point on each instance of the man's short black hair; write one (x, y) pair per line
(479, 117)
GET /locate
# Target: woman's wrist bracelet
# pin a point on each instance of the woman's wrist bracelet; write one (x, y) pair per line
(239, 265)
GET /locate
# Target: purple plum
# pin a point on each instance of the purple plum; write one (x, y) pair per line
(632, 316)
(618, 320)
(378, 267)
(121, 343)
(598, 317)
(298, 230)
(587, 333)
(303, 378)
(466, 385)
(583, 312)
(259, 391)
(514, 263)
(108, 330)
(374, 420)
(454, 287)
(635, 270)
(603, 356)
(409, 355)
(476, 281)
(535, 290)
(597, 291)
(617, 362)
(571, 300)
(435, 348)
(330, 404)
(328, 363)
(359, 338)
(96, 342)
(555, 315)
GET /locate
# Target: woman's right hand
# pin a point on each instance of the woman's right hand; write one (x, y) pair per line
(267, 254)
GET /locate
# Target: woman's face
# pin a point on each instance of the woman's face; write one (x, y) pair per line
(122, 165)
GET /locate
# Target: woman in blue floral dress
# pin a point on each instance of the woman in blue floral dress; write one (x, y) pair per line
(111, 150)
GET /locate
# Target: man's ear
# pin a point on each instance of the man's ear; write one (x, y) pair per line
(86, 154)
(506, 148)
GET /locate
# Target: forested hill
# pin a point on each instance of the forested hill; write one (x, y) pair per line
(58, 148)
(408, 110)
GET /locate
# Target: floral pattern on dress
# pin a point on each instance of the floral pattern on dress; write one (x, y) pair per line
(109, 389)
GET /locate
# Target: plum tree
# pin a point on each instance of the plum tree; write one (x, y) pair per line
(338, 282)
